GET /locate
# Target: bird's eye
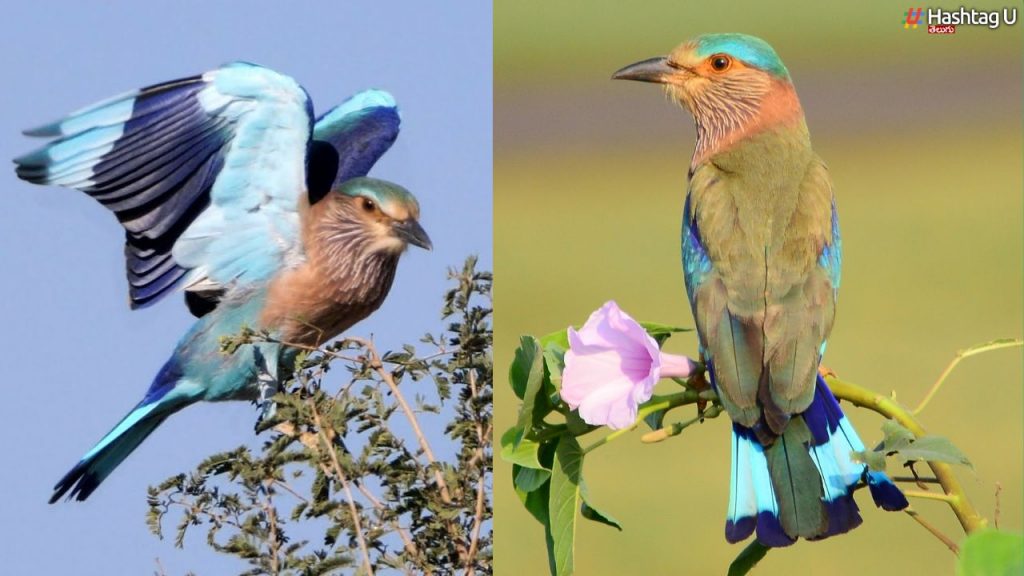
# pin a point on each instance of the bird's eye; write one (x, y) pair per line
(720, 62)
(368, 205)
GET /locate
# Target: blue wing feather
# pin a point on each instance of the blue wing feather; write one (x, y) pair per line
(359, 131)
(831, 258)
(135, 154)
(696, 263)
(162, 156)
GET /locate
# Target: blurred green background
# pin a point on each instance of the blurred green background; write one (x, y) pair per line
(923, 138)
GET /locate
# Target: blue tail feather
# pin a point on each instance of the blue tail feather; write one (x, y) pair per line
(755, 501)
(98, 463)
(167, 394)
(885, 494)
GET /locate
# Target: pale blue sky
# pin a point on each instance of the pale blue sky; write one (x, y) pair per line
(77, 358)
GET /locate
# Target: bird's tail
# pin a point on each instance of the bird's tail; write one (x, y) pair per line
(162, 400)
(802, 485)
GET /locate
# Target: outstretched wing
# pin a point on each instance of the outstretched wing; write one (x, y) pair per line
(204, 173)
(350, 138)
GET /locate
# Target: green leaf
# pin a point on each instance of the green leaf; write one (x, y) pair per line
(529, 479)
(577, 427)
(525, 453)
(874, 460)
(554, 360)
(896, 436)
(935, 449)
(549, 541)
(523, 365)
(528, 368)
(565, 501)
(996, 344)
(535, 501)
(558, 339)
(747, 559)
(595, 515)
(901, 442)
(590, 513)
(662, 332)
(991, 553)
(656, 420)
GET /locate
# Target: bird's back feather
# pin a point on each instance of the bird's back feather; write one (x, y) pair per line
(762, 302)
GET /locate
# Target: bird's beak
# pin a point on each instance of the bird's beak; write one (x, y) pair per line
(655, 70)
(411, 231)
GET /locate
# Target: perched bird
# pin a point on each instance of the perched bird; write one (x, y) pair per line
(227, 188)
(761, 260)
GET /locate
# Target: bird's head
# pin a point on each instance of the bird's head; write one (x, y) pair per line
(731, 83)
(376, 215)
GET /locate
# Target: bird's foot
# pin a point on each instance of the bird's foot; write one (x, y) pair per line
(700, 383)
(825, 371)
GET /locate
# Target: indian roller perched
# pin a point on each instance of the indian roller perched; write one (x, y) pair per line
(761, 261)
(228, 188)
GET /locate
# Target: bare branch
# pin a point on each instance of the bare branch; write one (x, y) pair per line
(340, 475)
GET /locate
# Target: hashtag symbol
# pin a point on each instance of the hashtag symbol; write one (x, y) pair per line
(912, 18)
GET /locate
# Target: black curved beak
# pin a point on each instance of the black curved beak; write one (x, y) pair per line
(655, 70)
(411, 231)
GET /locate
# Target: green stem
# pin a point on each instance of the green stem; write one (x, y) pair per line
(676, 428)
(551, 431)
(969, 518)
(961, 355)
(655, 404)
(930, 496)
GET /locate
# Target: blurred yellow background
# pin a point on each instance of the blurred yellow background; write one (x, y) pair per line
(923, 138)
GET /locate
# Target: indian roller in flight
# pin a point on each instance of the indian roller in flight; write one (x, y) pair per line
(229, 188)
(761, 261)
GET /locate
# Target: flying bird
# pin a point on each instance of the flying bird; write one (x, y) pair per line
(228, 188)
(761, 262)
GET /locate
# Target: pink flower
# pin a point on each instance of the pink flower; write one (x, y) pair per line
(611, 367)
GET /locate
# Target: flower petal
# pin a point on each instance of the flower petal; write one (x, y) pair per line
(610, 368)
(610, 404)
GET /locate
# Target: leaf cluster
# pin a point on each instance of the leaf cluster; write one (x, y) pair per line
(345, 479)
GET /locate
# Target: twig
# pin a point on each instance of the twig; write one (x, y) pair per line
(915, 480)
(475, 533)
(972, 351)
(378, 366)
(340, 474)
(479, 454)
(995, 517)
(386, 376)
(969, 518)
(677, 428)
(935, 531)
(478, 517)
(290, 490)
(949, 498)
(410, 547)
(272, 543)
